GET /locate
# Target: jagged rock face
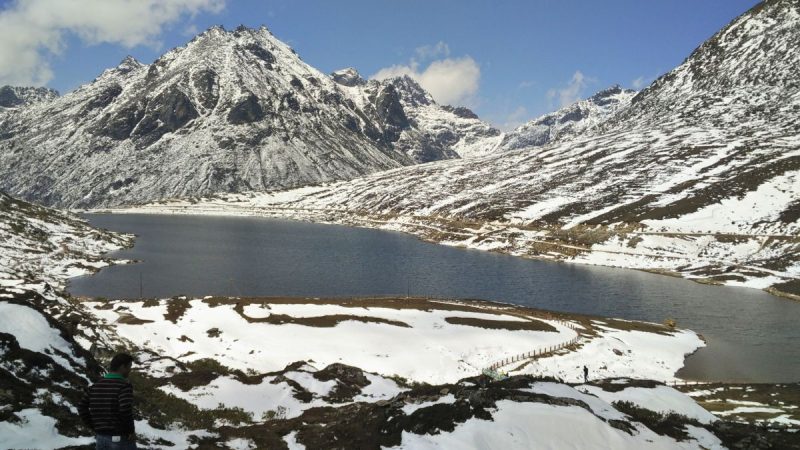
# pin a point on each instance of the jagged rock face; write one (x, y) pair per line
(461, 111)
(205, 84)
(167, 112)
(246, 110)
(13, 96)
(104, 98)
(348, 77)
(400, 111)
(120, 125)
(8, 98)
(230, 110)
(390, 112)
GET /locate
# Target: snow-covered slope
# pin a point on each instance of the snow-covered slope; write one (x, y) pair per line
(230, 111)
(41, 246)
(568, 121)
(700, 175)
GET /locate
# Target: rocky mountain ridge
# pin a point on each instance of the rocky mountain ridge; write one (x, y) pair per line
(236, 111)
(230, 111)
(15, 97)
(567, 122)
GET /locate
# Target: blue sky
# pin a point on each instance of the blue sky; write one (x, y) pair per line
(531, 55)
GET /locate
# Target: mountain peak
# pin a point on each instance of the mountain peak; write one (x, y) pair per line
(128, 63)
(348, 77)
(410, 90)
(610, 95)
(215, 29)
(750, 59)
(246, 105)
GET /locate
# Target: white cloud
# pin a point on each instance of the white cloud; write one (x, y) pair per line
(190, 30)
(33, 30)
(452, 81)
(514, 119)
(427, 52)
(572, 92)
(640, 82)
(525, 84)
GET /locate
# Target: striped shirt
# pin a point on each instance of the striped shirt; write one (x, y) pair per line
(107, 406)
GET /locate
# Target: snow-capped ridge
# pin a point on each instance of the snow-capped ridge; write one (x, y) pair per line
(348, 77)
(744, 64)
(128, 63)
(611, 94)
(226, 112)
(410, 89)
(569, 121)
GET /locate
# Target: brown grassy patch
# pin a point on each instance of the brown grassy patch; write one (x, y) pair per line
(789, 289)
(638, 326)
(785, 396)
(530, 325)
(175, 309)
(317, 321)
(130, 319)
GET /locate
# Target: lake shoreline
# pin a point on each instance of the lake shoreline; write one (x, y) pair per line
(644, 297)
(421, 231)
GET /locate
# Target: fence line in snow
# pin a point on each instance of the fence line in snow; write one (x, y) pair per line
(679, 382)
(538, 352)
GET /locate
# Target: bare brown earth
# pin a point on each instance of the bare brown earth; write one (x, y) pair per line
(727, 397)
(318, 321)
(531, 325)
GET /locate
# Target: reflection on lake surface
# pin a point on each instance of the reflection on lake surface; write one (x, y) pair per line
(751, 335)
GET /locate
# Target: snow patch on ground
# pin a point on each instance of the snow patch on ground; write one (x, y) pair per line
(34, 333)
(536, 425)
(36, 431)
(660, 398)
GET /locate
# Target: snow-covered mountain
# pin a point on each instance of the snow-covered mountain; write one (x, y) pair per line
(15, 96)
(569, 121)
(422, 129)
(699, 175)
(230, 111)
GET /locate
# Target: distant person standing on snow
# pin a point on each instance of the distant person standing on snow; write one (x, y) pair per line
(585, 374)
(107, 407)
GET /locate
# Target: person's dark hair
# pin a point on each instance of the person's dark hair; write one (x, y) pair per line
(119, 361)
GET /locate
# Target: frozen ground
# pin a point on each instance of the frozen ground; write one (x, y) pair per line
(413, 339)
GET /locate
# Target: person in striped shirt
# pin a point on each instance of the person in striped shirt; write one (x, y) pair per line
(107, 406)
